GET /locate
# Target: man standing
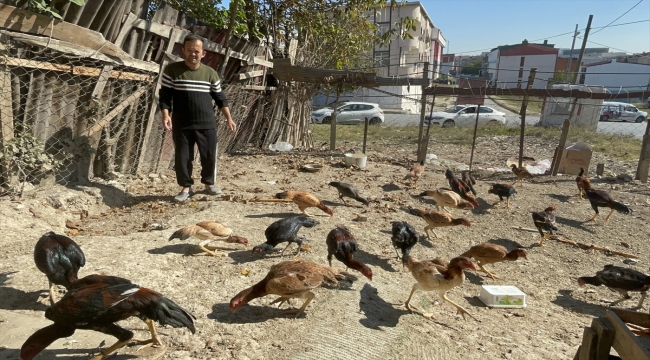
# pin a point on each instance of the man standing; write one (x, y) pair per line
(188, 88)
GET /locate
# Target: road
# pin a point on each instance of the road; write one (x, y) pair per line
(512, 119)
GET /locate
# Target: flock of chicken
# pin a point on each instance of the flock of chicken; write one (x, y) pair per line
(97, 302)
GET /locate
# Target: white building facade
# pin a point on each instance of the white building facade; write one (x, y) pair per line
(617, 76)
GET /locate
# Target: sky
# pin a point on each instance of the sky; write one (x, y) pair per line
(472, 26)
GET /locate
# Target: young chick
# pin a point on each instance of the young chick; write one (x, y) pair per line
(621, 280)
(599, 198)
(348, 190)
(416, 171)
(403, 235)
(469, 180)
(581, 179)
(521, 173)
(447, 198)
(59, 258)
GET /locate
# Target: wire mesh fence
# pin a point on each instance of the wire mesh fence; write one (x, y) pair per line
(66, 119)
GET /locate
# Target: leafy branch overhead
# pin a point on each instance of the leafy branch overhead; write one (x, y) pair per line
(46, 7)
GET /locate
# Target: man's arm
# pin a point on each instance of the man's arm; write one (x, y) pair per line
(165, 96)
(220, 99)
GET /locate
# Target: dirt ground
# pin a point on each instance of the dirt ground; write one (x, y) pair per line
(129, 220)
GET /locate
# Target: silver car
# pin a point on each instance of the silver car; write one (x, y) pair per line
(350, 113)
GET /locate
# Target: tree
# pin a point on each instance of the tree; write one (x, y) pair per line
(472, 68)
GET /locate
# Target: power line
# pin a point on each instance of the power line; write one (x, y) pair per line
(604, 27)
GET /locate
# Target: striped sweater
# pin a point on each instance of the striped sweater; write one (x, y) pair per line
(188, 94)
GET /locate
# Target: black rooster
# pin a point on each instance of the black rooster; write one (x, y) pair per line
(285, 230)
(96, 303)
(503, 191)
(404, 236)
(59, 258)
(621, 280)
(599, 198)
(460, 187)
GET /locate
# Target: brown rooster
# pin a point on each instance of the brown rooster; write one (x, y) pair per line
(460, 187)
(208, 231)
(433, 277)
(545, 220)
(487, 253)
(581, 179)
(447, 198)
(290, 279)
(521, 173)
(436, 219)
(304, 200)
(342, 245)
(98, 302)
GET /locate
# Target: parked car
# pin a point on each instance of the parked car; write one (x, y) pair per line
(465, 115)
(350, 113)
(618, 111)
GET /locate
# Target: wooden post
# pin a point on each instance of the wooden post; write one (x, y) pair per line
(153, 110)
(6, 112)
(423, 109)
(425, 142)
(555, 167)
(644, 158)
(588, 347)
(365, 135)
(333, 119)
(524, 106)
(605, 332)
(471, 157)
(600, 169)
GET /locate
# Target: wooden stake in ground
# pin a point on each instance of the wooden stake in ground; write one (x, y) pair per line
(423, 109)
(333, 119)
(524, 106)
(471, 157)
(365, 135)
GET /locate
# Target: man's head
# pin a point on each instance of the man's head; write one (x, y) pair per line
(193, 50)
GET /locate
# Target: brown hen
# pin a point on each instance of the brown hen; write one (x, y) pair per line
(447, 198)
(304, 200)
(290, 279)
(208, 231)
(581, 181)
(436, 219)
(487, 253)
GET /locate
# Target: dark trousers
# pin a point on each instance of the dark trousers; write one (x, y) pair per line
(184, 141)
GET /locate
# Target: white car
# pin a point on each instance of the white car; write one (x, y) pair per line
(465, 115)
(350, 113)
(617, 111)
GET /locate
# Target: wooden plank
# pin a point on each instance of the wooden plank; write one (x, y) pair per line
(74, 70)
(113, 113)
(26, 21)
(626, 343)
(555, 167)
(632, 317)
(259, 61)
(605, 333)
(127, 26)
(588, 347)
(258, 87)
(153, 27)
(251, 74)
(293, 47)
(644, 158)
(74, 49)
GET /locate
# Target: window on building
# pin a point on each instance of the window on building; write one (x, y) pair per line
(521, 61)
(521, 73)
(382, 58)
(383, 28)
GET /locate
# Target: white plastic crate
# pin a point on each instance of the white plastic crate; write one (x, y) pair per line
(502, 296)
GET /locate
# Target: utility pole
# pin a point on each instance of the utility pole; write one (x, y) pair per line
(555, 167)
(582, 49)
(573, 43)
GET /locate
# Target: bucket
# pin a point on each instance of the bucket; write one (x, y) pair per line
(356, 159)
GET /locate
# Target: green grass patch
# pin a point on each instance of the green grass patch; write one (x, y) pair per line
(619, 146)
(534, 104)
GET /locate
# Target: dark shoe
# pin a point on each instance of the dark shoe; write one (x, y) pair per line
(182, 196)
(213, 190)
